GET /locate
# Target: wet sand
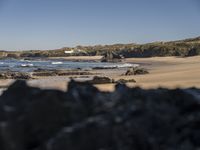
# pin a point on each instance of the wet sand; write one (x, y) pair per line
(167, 72)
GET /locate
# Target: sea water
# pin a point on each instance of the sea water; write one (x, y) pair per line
(31, 65)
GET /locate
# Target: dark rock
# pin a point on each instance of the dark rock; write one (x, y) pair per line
(41, 72)
(101, 80)
(111, 57)
(85, 118)
(123, 81)
(15, 75)
(103, 68)
(193, 52)
(80, 77)
(12, 56)
(45, 73)
(136, 71)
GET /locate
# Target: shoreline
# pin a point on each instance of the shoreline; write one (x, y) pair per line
(166, 72)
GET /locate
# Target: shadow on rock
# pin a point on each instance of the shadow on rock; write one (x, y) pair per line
(85, 118)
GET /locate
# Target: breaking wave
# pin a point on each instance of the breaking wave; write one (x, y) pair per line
(27, 65)
(57, 63)
(126, 65)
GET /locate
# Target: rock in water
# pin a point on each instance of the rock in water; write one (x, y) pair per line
(85, 118)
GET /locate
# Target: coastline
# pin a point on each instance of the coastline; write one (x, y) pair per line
(166, 72)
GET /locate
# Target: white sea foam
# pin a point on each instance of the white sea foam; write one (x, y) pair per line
(126, 65)
(56, 63)
(27, 65)
(1, 63)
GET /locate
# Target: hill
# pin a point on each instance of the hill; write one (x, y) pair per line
(183, 48)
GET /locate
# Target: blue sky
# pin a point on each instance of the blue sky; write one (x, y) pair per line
(50, 24)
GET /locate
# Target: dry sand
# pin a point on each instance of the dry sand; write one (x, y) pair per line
(170, 72)
(167, 72)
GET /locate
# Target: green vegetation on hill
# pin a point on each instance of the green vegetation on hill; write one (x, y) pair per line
(183, 48)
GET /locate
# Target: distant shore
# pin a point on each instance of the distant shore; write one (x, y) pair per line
(183, 48)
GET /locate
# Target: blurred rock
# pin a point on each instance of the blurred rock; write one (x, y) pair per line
(85, 118)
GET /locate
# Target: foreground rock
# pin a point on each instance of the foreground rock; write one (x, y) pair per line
(15, 75)
(136, 71)
(84, 118)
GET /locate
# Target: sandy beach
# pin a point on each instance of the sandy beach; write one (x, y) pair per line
(166, 72)
(170, 72)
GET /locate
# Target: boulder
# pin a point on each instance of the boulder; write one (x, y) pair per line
(110, 56)
(123, 81)
(101, 80)
(136, 71)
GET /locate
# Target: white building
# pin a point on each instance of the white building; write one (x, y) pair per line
(69, 52)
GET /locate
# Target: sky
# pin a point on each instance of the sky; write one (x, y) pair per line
(52, 24)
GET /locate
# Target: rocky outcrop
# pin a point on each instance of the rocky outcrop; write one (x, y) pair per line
(101, 80)
(110, 56)
(123, 81)
(85, 118)
(41, 72)
(135, 71)
(193, 52)
(15, 75)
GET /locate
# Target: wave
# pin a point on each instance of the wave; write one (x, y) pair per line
(57, 63)
(27, 65)
(1, 63)
(127, 65)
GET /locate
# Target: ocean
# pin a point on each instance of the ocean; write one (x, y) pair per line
(31, 65)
